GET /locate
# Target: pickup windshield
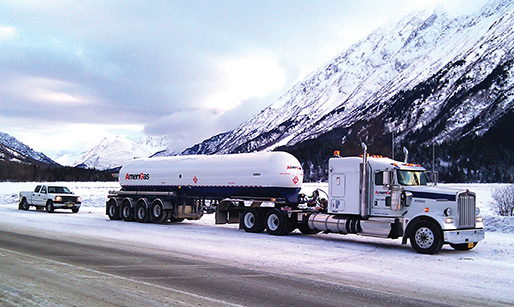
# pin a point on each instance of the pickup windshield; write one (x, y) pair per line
(412, 178)
(58, 190)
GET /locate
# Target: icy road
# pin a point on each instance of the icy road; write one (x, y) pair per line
(85, 259)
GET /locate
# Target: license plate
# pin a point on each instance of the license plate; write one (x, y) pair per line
(69, 205)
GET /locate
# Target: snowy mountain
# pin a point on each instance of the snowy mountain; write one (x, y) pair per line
(114, 152)
(429, 79)
(13, 150)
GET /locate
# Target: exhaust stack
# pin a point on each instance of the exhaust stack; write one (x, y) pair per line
(364, 190)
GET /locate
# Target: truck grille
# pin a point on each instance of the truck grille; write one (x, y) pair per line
(466, 213)
(69, 199)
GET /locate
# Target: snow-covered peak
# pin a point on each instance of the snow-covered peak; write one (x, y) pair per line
(113, 152)
(430, 55)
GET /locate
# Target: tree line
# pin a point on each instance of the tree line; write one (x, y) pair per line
(13, 171)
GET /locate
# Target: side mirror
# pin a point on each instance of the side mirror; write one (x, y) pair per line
(387, 178)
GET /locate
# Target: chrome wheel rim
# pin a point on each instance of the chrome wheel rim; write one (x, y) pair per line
(424, 237)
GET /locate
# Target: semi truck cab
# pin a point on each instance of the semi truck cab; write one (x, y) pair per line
(388, 198)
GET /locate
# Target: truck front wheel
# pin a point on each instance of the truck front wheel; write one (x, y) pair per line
(253, 221)
(277, 223)
(426, 238)
(49, 206)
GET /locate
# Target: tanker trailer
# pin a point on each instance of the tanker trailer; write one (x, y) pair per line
(174, 188)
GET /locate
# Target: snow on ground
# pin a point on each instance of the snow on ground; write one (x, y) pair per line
(483, 274)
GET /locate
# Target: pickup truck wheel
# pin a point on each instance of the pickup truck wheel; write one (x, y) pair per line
(253, 221)
(464, 246)
(49, 206)
(24, 205)
(426, 238)
(75, 209)
(277, 223)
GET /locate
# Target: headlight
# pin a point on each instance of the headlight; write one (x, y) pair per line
(79, 200)
(477, 211)
(58, 199)
(448, 211)
(449, 220)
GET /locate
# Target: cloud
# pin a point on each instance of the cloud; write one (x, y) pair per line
(8, 33)
(187, 70)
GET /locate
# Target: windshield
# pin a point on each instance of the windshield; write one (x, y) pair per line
(412, 178)
(59, 190)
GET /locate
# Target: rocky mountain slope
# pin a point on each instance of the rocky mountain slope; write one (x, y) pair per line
(430, 80)
(13, 150)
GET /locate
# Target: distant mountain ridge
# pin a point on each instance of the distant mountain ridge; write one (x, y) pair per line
(116, 151)
(430, 79)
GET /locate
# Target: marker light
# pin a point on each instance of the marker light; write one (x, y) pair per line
(449, 220)
(426, 209)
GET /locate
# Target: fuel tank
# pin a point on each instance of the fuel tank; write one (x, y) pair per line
(261, 174)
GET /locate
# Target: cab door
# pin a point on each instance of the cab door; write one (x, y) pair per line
(40, 198)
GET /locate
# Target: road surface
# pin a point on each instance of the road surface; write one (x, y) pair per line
(39, 270)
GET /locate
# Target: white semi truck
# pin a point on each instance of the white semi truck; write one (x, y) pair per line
(371, 196)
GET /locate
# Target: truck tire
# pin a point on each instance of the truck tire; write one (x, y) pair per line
(464, 246)
(75, 209)
(253, 221)
(127, 213)
(306, 230)
(426, 238)
(157, 212)
(277, 223)
(24, 205)
(141, 213)
(113, 211)
(49, 207)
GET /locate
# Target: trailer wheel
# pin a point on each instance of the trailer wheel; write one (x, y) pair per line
(253, 221)
(277, 223)
(464, 246)
(127, 214)
(157, 211)
(113, 211)
(141, 213)
(426, 238)
(49, 207)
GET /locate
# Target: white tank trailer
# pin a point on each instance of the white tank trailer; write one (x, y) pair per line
(371, 196)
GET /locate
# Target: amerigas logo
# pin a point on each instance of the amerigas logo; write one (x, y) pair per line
(140, 176)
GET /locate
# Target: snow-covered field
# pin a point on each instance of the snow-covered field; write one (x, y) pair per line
(484, 274)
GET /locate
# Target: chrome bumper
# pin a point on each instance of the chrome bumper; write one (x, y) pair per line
(463, 236)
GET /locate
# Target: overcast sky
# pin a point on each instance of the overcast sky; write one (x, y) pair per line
(74, 72)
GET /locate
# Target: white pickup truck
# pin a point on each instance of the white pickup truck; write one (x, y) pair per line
(49, 197)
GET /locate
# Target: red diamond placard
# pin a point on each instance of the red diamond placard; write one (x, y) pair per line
(195, 180)
(295, 179)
